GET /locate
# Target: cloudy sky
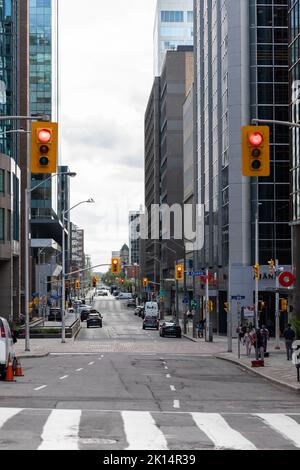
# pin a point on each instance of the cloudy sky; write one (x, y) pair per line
(106, 74)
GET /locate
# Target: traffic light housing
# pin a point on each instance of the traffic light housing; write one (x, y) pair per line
(226, 304)
(44, 147)
(283, 305)
(179, 272)
(256, 151)
(94, 281)
(256, 270)
(115, 265)
(77, 284)
(145, 282)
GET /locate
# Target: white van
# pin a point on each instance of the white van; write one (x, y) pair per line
(151, 309)
(6, 347)
(124, 296)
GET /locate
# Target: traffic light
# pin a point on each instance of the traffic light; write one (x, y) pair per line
(283, 305)
(179, 272)
(256, 151)
(77, 284)
(210, 305)
(44, 147)
(145, 282)
(256, 269)
(115, 265)
(94, 281)
(261, 305)
(226, 306)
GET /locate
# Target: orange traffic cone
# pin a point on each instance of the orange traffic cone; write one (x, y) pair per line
(9, 377)
(19, 372)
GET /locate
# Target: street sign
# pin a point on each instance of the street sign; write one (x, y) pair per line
(238, 297)
(185, 301)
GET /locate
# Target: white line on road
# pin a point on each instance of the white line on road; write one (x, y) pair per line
(64, 377)
(61, 430)
(166, 367)
(168, 376)
(91, 363)
(8, 413)
(150, 439)
(40, 388)
(284, 425)
(219, 431)
(176, 404)
(172, 388)
(79, 370)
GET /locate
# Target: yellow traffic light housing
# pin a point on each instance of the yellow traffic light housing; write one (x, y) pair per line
(256, 269)
(44, 147)
(77, 284)
(145, 282)
(256, 151)
(226, 304)
(115, 265)
(179, 272)
(283, 305)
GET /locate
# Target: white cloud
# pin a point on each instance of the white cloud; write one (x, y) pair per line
(106, 54)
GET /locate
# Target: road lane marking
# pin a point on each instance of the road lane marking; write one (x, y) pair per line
(176, 404)
(150, 439)
(172, 388)
(40, 388)
(64, 377)
(79, 370)
(61, 430)
(284, 425)
(91, 363)
(8, 413)
(168, 376)
(166, 367)
(221, 434)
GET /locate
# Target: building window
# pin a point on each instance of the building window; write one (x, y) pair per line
(190, 16)
(2, 181)
(172, 17)
(2, 215)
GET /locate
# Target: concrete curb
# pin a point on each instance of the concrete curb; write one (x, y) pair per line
(32, 356)
(189, 338)
(294, 388)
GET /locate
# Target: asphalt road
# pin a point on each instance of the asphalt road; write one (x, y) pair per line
(143, 400)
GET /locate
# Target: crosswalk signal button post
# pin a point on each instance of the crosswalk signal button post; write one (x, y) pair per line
(256, 151)
(44, 147)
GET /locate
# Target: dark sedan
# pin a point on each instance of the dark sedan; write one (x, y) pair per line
(151, 321)
(94, 320)
(170, 329)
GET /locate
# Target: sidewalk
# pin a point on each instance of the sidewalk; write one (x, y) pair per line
(277, 369)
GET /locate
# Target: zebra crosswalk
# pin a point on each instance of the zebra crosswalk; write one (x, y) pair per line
(32, 429)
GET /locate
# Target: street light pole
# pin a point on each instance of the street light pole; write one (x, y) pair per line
(63, 273)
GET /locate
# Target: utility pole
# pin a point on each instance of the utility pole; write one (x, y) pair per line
(209, 332)
(257, 263)
(277, 307)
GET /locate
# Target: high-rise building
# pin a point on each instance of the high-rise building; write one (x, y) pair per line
(134, 237)
(173, 27)
(294, 15)
(241, 73)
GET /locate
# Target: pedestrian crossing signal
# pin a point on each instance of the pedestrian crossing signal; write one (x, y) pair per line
(77, 284)
(283, 305)
(226, 307)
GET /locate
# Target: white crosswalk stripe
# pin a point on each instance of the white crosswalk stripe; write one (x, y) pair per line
(144, 430)
(284, 425)
(61, 431)
(222, 435)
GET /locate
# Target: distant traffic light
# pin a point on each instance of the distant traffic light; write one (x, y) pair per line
(226, 304)
(44, 147)
(77, 284)
(115, 265)
(179, 272)
(283, 305)
(145, 282)
(256, 151)
(256, 271)
(94, 281)
(210, 305)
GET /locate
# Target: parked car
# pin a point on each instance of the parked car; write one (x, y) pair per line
(94, 320)
(84, 315)
(84, 307)
(55, 315)
(7, 341)
(151, 321)
(104, 293)
(116, 293)
(170, 329)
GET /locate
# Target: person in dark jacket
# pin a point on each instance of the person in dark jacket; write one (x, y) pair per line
(262, 341)
(289, 336)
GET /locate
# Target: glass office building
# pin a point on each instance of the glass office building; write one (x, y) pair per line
(174, 26)
(43, 89)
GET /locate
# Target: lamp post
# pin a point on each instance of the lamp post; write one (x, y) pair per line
(63, 273)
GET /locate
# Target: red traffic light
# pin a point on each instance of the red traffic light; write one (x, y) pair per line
(44, 136)
(256, 139)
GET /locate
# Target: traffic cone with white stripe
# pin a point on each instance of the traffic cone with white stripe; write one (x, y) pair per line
(9, 376)
(19, 372)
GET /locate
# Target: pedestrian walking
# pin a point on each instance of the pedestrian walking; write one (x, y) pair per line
(289, 336)
(262, 341)
(200, 328)
(247, 341)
